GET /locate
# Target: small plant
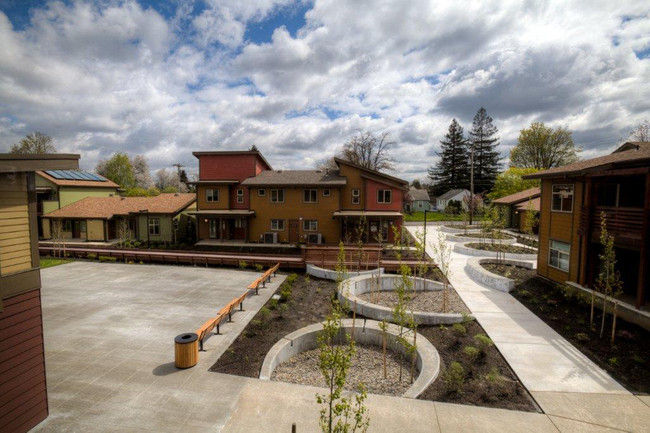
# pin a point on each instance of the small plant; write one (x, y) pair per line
(242, 264)
(107, 259)
(638, 359)
(258, 267)
(264, 314)
(285, 292)
(483, 342)
(459, 330)
(471, 352)
(91, 256)
(454, 377)
(523, 293)
(466, 317)
(581, 336)
(494, 376)
(307, 279)
(282, 308)
(273, 304)
(613, 362)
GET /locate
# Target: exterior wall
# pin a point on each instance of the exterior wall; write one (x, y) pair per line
(228, 167)
(354, 181)
(15, 236)
(23, 400)
(224, 200)
(46, 228)
(50, 206)
(294, 208)
(559, 226)
(397, 197)
(166, 229)
(69, 195)
(95, 230)
(420, 205)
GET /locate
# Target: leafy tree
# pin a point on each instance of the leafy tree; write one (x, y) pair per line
(442, 257)
(510, 181)
(484, 141)
(34, 143)
(543, 147)
(141, 173)
(416, 184)
(118, 169)
(640, 133)
(169, 181)
(452, 169)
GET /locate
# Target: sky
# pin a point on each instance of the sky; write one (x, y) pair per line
(298, 79)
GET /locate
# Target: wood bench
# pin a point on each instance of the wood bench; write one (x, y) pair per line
(263, 279)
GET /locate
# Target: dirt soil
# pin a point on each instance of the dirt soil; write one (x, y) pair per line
(429, 301)
(310, 302)
(516, 273)
(568, 312)
(504, 248)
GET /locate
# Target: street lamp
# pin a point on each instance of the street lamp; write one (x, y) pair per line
(425, 225)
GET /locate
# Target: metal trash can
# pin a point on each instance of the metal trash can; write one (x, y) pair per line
(186, 350)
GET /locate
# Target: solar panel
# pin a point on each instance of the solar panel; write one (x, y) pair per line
(75, 175)
(85, 176)
(54, 174)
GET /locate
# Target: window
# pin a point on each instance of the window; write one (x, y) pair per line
(130, 223)
(240, 195)
(384, 196)
(211, 195)
(384, 230)
(559, 255)
(277, 196)
(154, 226)
(355, 196)
(67, 226)
(562, 198)
(310, 195)
(261, 192)
(82, 226)
(310, 225)
(277, 225)
(239, 223)
(326, 192)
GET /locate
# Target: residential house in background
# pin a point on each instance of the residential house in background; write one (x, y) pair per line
(452, 195)
(516, 206)
(418, 200)
(161, 218)
(255, 203)
(58, 188)
(573, 198)
(23, 395)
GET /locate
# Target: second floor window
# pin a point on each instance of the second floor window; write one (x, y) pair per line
(355, 196)
(310, 195)
(310, 225)
(261, 192)
(240, 195)
(326, 192)
(277, 196)
(562, 198)
(384, 196)
(154, 226)
(211, 195)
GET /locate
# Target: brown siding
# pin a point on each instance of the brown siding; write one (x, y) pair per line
(223, 202)
(23, 401)
(354, 181)
(14, 228)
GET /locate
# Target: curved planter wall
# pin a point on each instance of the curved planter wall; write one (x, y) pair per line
(350, 289)
(498, 282)
(329, 274)
(427, 359)
(463, 249)
(460, 238)
(445, 229)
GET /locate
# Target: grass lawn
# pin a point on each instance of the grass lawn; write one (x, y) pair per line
(48, 262)
(431, 216)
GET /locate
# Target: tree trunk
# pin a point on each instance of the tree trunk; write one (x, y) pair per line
(593, 301)
(602, 322)
(614, 321)
(384, 344)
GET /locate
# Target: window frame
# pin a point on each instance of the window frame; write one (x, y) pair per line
(66, 226)
(553, 193)
(277, 191)
(326, 192)
(306, 228)
(356, 196)
(240, 195)
(153, 223)
(278, 228)
(211, 198)
(567, 253)
(313, 193)
(383, 192)
(261, 192)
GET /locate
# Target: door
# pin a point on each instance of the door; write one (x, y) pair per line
(294, 231)
(76, 230)
(213, 227)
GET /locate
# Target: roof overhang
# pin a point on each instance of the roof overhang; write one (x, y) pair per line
(360, 213)
(18, 162)
(213, 182)
(222, 212)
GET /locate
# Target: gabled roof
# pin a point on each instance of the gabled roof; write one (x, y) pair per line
(451, 193)
(636, 155)
(632, 145)
(101, 182)
(519, 196)
(403, 183)
(108, 207)
(296, 178)
(526, 205)
(419, 194)
(234, 152)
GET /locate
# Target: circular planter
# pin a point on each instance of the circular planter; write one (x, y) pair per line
(427, 361)
(461, 238)
(446, 229)
(462, 248)
(349, 290)
(330, 274)
(494, 281)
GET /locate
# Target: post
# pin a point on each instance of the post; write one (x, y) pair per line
(471, 184)
(293, 428)
(425, 224)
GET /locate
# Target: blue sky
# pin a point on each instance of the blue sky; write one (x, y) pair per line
(299, 78)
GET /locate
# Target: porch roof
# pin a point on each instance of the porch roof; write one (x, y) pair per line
(357, 213)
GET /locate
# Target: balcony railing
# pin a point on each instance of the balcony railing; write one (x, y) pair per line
(620, 220)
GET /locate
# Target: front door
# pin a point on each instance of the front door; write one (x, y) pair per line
(76, 230)
(294, 231)
(214, 227)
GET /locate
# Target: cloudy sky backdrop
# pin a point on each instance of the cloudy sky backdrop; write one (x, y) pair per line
(297, 79)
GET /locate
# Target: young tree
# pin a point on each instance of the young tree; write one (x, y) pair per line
(34, 143)
(510, 181)
(609, 279)
(452, 169)
(543, 147)
(141, 173)
(118, 169)
(442, 256)
(530, 219)
(484, 141)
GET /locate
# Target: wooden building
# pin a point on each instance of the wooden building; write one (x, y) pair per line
(23, 395)
(572, 199)
(516, 206)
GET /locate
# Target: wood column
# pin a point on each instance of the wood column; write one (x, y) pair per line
(644, 263)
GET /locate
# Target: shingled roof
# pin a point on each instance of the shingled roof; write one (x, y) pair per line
(418, 194)
(451, 193)
(296, 178)
(519, 196)
(108, 207)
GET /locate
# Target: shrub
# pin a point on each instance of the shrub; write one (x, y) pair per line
(291, 279)
(285, 292)
(107, 259)
(264, 314)
(613, 361)
(459, 330)
(91, 256)
(242, 264)
(494, 376)
(581, 336)
(259, 267)
(471, 352)
(273, 303)
(523, 293)
(454, 377)
(466, 317)
(638, 359)
(483, 342)
(282, 308)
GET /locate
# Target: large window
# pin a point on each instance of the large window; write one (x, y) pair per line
(277, 196)
(384, 196)
(67, 225)
(559, 255)
(562, 198)
(240, 195)
(310, 225)
(310, 195)
(154, 226)
(277, 225)
(211, 195)
(355, 196)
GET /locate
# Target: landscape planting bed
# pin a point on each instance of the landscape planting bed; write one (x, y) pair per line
(310, 303)
(516, 252)
(504, 248)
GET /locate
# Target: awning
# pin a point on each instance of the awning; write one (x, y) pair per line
(355, 213)
(223, 212)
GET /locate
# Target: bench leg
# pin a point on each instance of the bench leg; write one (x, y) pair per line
(217, 330)
(257, 290)
(264, 284)
(241, 307)
(201, 345)
(230, 317)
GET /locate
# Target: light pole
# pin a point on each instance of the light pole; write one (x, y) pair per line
(471, 184)
(425, 225)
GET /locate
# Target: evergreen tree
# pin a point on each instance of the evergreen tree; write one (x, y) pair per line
(452, 169)
(484, 140)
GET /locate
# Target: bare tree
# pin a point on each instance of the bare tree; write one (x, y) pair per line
(369, 150)
(640, 133)
(34, 143)
(141, 172)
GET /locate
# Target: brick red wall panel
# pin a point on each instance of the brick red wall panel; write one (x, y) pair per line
(371, 197)
(226, 167)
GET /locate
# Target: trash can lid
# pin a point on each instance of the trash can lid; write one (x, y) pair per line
(189, 337)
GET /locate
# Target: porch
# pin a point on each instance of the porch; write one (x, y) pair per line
(371, 227)
(227, 225)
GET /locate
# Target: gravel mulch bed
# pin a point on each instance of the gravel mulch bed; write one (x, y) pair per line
(463, 226)
(504, 248)
(429, 301)
(482, 236)
(366, 367)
